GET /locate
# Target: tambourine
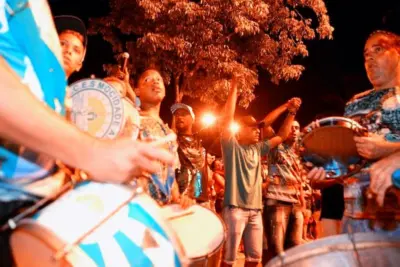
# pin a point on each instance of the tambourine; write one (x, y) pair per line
(329, 143)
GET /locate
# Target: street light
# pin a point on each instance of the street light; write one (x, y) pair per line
(234, 127)
(208, 119)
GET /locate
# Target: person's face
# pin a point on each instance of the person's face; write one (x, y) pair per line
(218, 165)
(72, 52)
(249, 134)
(381, 60)
(151, 87)
(183, 120)
(210, 159)
(294, 132)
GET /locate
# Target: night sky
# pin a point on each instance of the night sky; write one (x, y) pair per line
(334, 69)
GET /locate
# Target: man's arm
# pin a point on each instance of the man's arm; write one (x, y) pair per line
(273, 115)
(283, 133)
(27, 121)
(230, 107)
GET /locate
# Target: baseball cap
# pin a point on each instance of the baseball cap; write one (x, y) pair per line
(249, 121)
(188, 108)
(67, 22)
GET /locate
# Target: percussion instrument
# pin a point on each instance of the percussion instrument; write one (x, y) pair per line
(97, 108)
(200, 230)
(329, 143)
(358, 250)
(97, 225)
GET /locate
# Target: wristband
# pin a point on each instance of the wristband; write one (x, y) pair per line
(396, 178)
(292, 113)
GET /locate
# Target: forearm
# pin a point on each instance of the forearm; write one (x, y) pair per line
(28, 122)
(273, 115)
(286, 127)
(230, 105)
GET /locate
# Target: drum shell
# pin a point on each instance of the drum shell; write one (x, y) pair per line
(201, 232)
(374, 250)
(36, 240)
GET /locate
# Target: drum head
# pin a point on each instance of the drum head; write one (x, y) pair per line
(368, 249)
(198, 244)
(97, 108)
(330, 143)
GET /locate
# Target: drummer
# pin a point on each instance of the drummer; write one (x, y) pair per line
(378, 110)
(161, 185)
(32, 93)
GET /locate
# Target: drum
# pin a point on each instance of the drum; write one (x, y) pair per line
(200, 231)
(97, 225)
(97, 108)
(362, 250)
(329, 143)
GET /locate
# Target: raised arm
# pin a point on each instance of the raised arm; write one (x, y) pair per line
(230, 106)
(283, 133)
(273, 115)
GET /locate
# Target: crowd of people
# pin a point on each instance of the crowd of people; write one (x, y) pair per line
(267, 197)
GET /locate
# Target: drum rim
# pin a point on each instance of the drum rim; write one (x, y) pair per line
(283, 258)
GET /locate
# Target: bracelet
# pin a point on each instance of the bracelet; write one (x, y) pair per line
(396, 178)
(292, 113)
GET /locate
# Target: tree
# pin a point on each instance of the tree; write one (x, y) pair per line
(199, 45)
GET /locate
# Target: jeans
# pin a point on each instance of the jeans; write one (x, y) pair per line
(247, 223)
(283, 226)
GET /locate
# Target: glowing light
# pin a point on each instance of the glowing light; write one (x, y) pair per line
(234, 127)
(208, 119)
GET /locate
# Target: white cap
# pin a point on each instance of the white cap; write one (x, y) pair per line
(188, 108)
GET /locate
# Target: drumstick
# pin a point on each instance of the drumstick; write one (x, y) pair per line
(13, 222)
(180, 215)
(61, 253)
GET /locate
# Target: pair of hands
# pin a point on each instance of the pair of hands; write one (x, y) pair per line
(293, 104)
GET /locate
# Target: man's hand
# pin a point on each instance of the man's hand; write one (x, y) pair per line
(294, 104)
(317, 174)
(381, 175)
(118, 161)
(374, 146)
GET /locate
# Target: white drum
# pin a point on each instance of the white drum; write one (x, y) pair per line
(200, 231)
(97, 225)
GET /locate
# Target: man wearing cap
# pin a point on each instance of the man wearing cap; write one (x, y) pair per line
(32, 94)
(191, 176)
(284, 197)
(73, 39)
(243, 185)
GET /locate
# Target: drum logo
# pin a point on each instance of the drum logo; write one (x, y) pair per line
(97, 108)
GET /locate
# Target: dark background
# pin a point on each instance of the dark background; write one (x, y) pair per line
(334, 69)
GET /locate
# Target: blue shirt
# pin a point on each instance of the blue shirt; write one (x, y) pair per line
(30, 46)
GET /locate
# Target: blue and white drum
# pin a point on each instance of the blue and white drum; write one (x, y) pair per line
(98, 225)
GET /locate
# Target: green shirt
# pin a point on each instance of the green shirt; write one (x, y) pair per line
(243, 180)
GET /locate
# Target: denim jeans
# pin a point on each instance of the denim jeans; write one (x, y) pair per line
(283, 224)
(247, 223)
